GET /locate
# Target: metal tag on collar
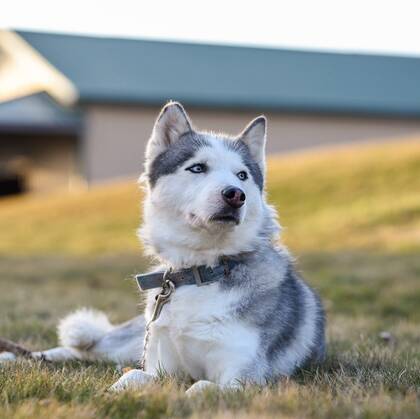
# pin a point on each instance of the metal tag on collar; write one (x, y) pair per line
(162, 298)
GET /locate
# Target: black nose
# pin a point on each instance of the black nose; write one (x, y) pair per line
(233, 196)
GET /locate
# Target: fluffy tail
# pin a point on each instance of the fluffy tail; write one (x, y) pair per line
(83, 328)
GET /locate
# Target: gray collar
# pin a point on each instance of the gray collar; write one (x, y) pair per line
(198, 275)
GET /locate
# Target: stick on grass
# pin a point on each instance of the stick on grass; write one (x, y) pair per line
(16, 349)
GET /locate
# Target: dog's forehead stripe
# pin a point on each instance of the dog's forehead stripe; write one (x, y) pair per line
(176, 155)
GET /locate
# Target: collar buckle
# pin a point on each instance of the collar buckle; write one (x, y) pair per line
(197, 277)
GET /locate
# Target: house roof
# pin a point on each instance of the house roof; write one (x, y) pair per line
(38, 113)
(152, 72)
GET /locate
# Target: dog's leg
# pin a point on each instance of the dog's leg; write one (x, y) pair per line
(231, 360)
(7, 357)
(12, 351)
(59, 354)
(161, 357)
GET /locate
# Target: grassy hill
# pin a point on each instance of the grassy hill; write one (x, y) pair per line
(362, 197)
(352, 217)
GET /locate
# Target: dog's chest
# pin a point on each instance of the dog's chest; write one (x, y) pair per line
(193, 308)
(197, 320)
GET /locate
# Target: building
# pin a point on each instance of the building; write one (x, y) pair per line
(77, 110)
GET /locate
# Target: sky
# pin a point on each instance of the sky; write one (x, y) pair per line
(365, 26)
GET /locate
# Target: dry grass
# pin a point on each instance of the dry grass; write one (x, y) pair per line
(353, 219)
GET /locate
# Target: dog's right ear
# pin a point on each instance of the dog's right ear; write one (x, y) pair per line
(171, 123)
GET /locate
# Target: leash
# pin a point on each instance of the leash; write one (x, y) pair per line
(168, 287)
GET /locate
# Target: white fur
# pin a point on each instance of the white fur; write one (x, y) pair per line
(200, 336)
(59, 354)
(131, 380)
(83, 328)
(199, 387)
(196, 335)
(7, 357)
(192, 240)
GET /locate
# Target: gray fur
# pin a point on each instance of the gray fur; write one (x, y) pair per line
(124, 332)
(175, 155)
(123, 343)
(274, 302)
(319, 349)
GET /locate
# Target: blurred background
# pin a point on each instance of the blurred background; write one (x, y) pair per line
(81, 84)
(78, 95)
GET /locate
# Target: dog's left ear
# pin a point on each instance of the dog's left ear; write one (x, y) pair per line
(254, 136)
(171, 123)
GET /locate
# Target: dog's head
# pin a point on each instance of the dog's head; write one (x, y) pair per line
(203, 186)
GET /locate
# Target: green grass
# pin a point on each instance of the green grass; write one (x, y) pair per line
(352, 218)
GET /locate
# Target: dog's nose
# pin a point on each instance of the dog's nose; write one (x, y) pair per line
(234, 196)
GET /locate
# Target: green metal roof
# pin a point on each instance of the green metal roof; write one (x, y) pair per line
(152, 72)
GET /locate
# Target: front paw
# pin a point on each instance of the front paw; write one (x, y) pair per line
(200, 386)
(131, 380)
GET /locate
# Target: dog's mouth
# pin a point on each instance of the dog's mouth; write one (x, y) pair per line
(226, 218)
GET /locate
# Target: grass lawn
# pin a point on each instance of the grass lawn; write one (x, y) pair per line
(352, 218)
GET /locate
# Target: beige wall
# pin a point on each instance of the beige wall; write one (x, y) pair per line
(47, 163)
(115, 136)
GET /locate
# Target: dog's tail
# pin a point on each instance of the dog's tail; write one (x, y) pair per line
(83, 328)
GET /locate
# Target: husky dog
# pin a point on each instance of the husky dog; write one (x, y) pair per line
(205, 203)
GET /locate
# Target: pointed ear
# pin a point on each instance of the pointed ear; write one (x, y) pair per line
(254, 136)
(171, 123)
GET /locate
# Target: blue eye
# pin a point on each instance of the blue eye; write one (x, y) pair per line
(242, 175)
(197, 168)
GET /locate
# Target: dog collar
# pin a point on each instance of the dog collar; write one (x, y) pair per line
(198, 275)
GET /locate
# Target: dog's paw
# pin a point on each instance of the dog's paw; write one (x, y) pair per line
(7, 357)
(131, 380)
(200, 386)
